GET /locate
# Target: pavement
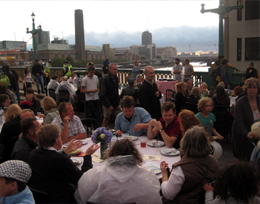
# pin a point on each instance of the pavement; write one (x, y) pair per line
(227, 154)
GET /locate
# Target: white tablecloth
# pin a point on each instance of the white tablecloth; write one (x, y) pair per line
(147, 150)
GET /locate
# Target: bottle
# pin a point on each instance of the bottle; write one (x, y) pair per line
(1, 117)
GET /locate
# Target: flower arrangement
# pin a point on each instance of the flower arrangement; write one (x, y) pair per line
(101, 134)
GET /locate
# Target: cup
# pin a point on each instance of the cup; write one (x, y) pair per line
(143, 142)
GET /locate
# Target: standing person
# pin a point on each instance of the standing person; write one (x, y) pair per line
(47, 69)
(13, 178)
(136, 69)
(224, 75)
(37, 71)
(195, 168)
(251, 71)
(188, 69)
(27, 80)
(105, 66)
(109, 94)
(149, 95)
(12, 78)
(168, 126)
(207, 118)
(17, 85)
(180, 96)
(89, 87)
(246, 113)
(177, 69)
(66, 69)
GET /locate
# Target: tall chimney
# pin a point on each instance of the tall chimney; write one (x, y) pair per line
(79, 35)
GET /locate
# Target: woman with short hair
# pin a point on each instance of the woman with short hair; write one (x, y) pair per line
(50, 108)
(180, 96)
(220, 97)
(194, 96)
(246, 113)
(196, 168)
(121, 180)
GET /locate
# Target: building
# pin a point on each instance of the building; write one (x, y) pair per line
(110, 53)
(149, 51)
(11, 45)
(42, 37)
(241, 34)
(147, 38)
(167, 52)
(79, 35)
(59, 41)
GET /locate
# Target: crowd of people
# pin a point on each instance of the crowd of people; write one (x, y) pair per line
(33, 159)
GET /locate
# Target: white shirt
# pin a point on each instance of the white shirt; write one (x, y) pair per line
(90, 84)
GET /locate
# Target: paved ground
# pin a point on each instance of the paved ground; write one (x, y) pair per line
(226, 145)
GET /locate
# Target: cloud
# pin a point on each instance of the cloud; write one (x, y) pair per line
(184, 38)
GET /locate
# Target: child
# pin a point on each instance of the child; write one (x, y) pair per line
(237, 183)
(207, 118)
(14, 175)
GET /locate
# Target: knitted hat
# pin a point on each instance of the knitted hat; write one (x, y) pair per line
(15, 169)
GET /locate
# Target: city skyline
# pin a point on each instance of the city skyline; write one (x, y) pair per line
(120, 23)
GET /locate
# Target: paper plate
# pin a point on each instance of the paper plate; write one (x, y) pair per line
(170, 152)
(155, 143)
(76, 161)
(133, 138)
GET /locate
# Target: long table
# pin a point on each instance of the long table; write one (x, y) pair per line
(147, 150)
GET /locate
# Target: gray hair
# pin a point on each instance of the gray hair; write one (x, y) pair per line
(112, 64)
(48, 134)
(147, 67)
(195, 143)
(195, 91)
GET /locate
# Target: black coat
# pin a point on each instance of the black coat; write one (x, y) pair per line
(180, 102)
(149, 101)
(129, 91)
(252, 74)
(109, 91)
(12, 79)
(53, 173)
(37, 69)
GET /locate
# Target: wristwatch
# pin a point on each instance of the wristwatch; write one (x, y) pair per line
(160, 130)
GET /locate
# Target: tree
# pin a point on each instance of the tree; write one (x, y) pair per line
(158, 57)
(143, 58)
(57, 62)
(70, 60)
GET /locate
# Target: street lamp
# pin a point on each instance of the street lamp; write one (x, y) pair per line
(221, 10)
(33, 32)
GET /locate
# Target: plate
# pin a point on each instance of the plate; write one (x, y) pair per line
(84, 141)
(153, 167)
(155, 143)
(133, 138)
(76, 161)
(171, 152)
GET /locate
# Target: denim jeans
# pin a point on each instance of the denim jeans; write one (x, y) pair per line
(36, 79)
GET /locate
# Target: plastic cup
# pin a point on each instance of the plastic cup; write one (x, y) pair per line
(143, 142)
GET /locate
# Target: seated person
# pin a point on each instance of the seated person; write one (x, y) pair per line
(120, 180)
(4, 90)
(13, 178)
(168, 126)
(194, 96)
(180, 96)
(53, 84)
(139, 81)
(229, 189)
(130, 91)
(239, 92)
(220, 97)
(204, 90)
(69, 123)
(189, 87)
(31, 102)
(207, 118)
(134, 120)
(55, 172)
(4, 102)
(28, 142)
(195, 168)
(50, 108)
(65, 85)
(73, 79)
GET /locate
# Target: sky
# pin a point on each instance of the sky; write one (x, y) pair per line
(176, 23)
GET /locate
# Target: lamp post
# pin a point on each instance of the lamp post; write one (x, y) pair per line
(221, 10)
(33, 32)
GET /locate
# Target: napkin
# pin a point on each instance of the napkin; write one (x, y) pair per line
(96, 158)
(152, 157)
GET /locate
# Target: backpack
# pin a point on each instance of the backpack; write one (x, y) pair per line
(215, 74)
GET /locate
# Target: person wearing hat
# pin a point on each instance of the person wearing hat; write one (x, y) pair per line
(133, 120)
(131, 90)
(14, 175)
(66, 69)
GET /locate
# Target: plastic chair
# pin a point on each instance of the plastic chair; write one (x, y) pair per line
(64, 95)
(222, 114)
(40, 196)
(192, 107)
(52, 93)
(170, 95)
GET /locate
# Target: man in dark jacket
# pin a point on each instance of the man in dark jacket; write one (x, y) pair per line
(149, 95)
(11, 77)
(37, 71)
(109, 94)
(105, 66)
(251, 71)
(130, 91)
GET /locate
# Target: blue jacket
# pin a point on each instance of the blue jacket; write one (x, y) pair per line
(21, 198)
